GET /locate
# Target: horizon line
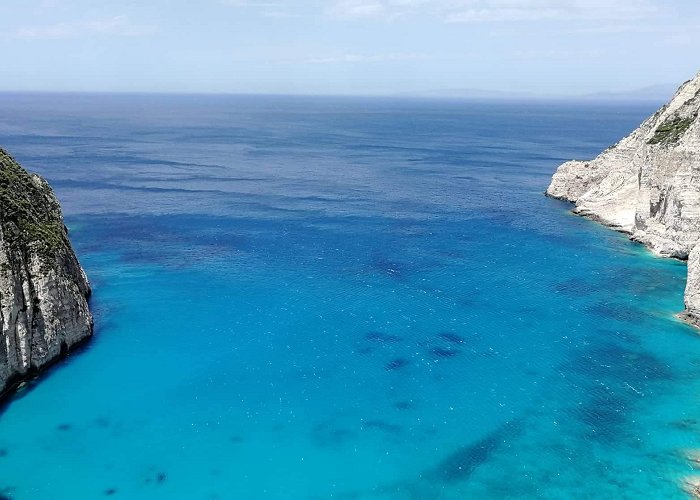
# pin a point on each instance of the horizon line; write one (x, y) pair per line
(418, 95)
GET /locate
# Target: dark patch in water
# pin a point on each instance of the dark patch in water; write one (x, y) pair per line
(685, 424)
(161, 477)
(396, 364)
(389, 268)
(618, 312)
(404, 405)
(3, 452)
(444, 353)
(64, 427)
(623, 337)
(382, 338)
(327, 435)
(618, 375)
(651, 280)
(573, 287)
(102, 422)
(110, 491)
(365, 350)
(452, 338)
(460, 464)
(236, 439)
(381, 425)
(604, 417)
(621, 363)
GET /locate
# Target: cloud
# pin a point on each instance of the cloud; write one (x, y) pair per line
(565, 54)
(278, 14)
(494, 11)
(542, 10)
(253, 3)
(480, 11)
(114, 26)
(680, 39)
(365, 58)
(359, 9)
(266, 9)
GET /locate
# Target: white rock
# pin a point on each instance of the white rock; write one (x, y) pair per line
(648, 185)
(43, 290)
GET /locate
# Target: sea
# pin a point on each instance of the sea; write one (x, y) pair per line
(347, 298)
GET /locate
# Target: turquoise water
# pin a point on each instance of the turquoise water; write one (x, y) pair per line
(347, 298)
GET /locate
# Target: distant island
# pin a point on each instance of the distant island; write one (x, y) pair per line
(652, 93)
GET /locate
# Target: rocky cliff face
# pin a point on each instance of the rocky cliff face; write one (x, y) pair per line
(43, 289)
(648, 185)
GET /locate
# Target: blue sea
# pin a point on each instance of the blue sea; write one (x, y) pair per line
(351, 298)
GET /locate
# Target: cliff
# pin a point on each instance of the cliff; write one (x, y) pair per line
(43, 289)
(648, 185)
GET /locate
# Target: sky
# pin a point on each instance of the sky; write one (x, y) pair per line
(364, 47)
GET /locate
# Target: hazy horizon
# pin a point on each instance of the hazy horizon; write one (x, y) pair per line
(438, 48)
(658, 93)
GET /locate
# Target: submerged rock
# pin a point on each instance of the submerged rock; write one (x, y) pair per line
(396, 364)
(43, 290)
(693, 458)
(692, 486)
(462, 462)
(648, 185)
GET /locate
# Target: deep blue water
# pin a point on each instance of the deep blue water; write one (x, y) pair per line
(311, 298)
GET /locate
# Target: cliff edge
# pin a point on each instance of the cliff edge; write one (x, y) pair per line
(43, 289)
(648, 185)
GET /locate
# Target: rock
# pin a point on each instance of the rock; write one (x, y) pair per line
(692, 486)
(693, 458)
(43, 290)
(648, 186)
(692, 289)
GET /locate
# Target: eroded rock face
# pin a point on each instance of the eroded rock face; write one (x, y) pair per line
(43, 289)
(648, 185)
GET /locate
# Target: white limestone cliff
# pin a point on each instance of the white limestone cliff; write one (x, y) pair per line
(43, 290)
(648, 185)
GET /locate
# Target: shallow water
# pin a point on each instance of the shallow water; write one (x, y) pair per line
(347, 298)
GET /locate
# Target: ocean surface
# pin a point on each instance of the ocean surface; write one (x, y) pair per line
(316, 298)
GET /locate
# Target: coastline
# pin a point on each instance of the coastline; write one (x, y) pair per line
(45, 291)
(645, 187)
(501, 300)
(22, 384)
(592, 216)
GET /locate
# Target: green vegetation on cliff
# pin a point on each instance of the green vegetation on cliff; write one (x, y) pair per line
(29, 213)
(671, 130)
